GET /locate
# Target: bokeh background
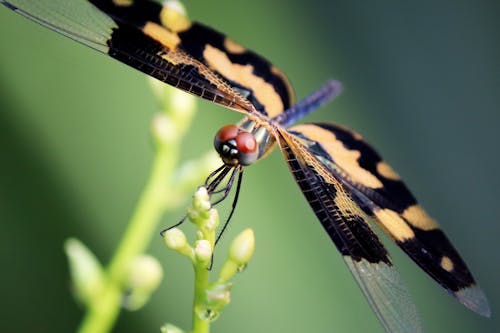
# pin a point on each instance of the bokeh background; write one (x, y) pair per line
(422, 84)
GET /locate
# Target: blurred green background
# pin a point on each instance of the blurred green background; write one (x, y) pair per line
(422, 84)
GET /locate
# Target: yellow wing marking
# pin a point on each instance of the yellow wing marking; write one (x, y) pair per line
(345, 158)
(393, 224)
(175, 56)
(123, 3)
(243, 75)
(161, 35)
(233, 47)
(418, 217)
(447, 264)
(386, 171)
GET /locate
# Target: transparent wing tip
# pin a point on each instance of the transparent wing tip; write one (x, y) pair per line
(475, 299)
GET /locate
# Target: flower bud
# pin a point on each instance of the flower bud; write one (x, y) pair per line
(145, 273)
(242, 247)
(199, 211)
(201, 199)
(143, 277)
(175, 239)
(203, 250)
(213, 219)
(86, 272)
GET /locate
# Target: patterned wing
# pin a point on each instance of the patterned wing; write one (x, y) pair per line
(386, 198)
(347, 225)
(166, 45)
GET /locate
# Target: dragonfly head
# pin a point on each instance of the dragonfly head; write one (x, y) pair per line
(236, 146)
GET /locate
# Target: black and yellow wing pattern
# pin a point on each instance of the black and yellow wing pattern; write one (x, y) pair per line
(166, 45)
(379, 192)
(348, 227)
(345, 181)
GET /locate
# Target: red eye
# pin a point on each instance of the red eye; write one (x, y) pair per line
(227, 132)
(245, 142)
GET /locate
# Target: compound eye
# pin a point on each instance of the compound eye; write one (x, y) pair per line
(245, 142)
(227, 132)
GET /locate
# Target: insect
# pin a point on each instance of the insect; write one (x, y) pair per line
(345, 181)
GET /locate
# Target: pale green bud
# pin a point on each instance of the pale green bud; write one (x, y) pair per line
(203, 250)
(242, 247)
(175, 239)
(199, 211)
(86, 272)
(144, 272)
(201, 199)
(143, 278)
(193, 215)
(213, 219)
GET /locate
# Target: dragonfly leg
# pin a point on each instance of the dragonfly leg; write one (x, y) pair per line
(162, 233)
(235, 200)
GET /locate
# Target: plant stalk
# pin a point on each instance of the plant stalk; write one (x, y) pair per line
(103, 311)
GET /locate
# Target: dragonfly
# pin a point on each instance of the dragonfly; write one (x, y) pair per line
(347, 184)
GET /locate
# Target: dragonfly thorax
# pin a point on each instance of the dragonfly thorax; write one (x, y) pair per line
(236, 146)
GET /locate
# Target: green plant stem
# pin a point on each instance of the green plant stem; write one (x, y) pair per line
(200, 325)
(103, 310)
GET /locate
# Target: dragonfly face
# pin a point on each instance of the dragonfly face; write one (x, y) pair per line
(236, 146)
(345, 181)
